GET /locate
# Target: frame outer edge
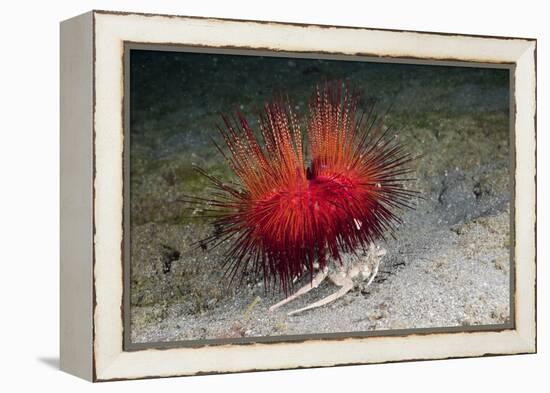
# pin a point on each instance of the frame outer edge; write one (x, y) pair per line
(76, 193)
(525, 198)
(114, 363)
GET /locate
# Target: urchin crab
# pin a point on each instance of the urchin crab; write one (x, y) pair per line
(357, 269)
(300, 201)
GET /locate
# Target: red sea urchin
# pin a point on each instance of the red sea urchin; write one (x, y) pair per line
(281, 215)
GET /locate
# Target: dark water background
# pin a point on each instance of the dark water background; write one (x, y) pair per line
(177, 99)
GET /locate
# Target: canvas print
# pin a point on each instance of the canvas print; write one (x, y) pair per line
(273, 197)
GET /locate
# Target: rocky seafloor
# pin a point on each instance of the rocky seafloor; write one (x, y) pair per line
(449, 264)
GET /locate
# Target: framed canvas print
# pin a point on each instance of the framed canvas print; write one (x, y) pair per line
(245, 195)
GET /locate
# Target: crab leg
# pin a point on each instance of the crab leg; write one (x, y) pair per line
(319, 277)
(346, 287)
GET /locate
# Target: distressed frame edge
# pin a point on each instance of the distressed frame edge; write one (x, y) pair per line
(303, 24)
(525, 175)
(525, 338)
(76, 196)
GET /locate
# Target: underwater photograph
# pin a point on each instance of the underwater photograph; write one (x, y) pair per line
(281, 196)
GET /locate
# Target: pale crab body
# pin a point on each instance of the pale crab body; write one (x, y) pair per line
(360, 268)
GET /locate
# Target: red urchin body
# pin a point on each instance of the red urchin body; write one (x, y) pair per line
(283, 216)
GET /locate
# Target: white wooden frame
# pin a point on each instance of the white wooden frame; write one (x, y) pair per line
(92, 47)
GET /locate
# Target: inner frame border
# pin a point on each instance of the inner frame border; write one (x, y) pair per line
(128, 345)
